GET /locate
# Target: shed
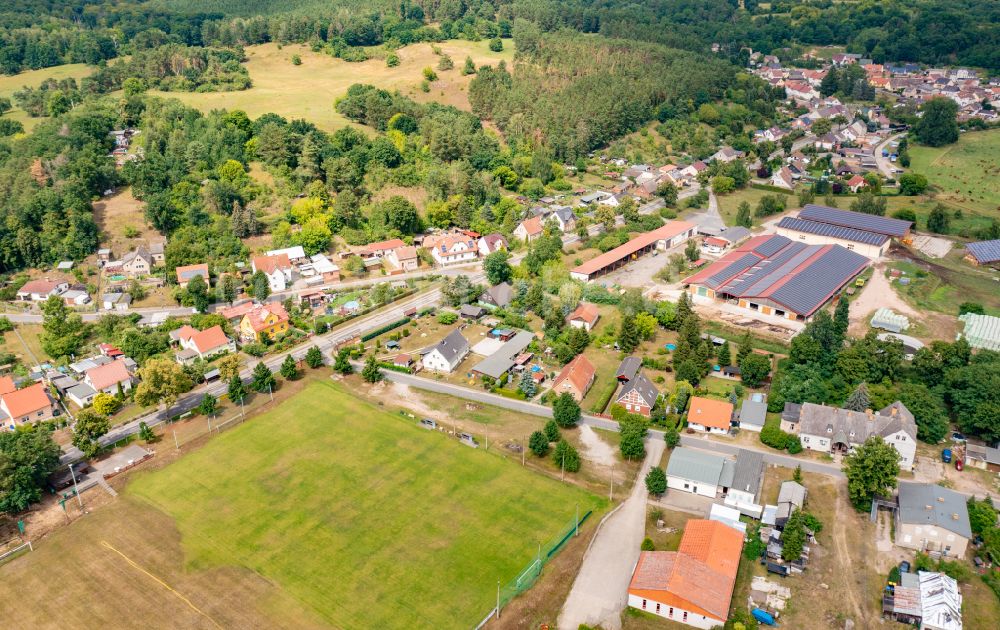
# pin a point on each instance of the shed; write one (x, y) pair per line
(753, 413)
(469, 311)
(981, 331)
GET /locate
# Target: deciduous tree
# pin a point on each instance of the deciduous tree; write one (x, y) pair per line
(656, 481)
(871, 469)
(565, 410)
(161, 380)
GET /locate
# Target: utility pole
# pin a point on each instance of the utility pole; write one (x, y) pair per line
(486, 430)
(176, 443)
(524, 447)
(269, 391)
(76, 488)
(611, 492)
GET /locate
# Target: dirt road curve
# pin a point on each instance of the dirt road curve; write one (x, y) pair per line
(600, 591)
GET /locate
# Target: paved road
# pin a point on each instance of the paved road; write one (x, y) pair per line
(710, 218)
(885, 165)
(326, 343)
(600, 591)
(91, 316)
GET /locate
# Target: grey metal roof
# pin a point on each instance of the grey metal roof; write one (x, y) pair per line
(854, 427)
(749, 470)
(753, 412)
(81, 391)
(792, 492)
(695, 465)
(628, 368)
(985, 251)
(734, 234)
(930, 504)
(791, 412)
(833, 231)
(645, 388)
(499, 294)
(498, 363)
(858, 220)
(471, 311)
(728, 473)
(452, 345)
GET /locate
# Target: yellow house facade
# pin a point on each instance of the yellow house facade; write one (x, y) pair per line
(269, 319)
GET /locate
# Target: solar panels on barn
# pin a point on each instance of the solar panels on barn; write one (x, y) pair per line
(833, 231)
(858, 220)
(985, 252)
(806, 292)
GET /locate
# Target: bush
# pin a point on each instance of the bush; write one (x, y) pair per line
(552, 431)
(647, 545)
(538, 443)
(447, 318)
(387, 328)
(656, 481)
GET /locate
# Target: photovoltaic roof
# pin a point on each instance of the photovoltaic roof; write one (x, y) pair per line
(833, 231)
(985, 251)
(772, 245)
(771, 270)
(808, 290)
(739, 265)
(856, 220)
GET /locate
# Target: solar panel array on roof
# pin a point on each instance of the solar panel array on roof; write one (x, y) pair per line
(985, 251)
(833, 231)
(806, 292)
(742, 263)
(856, 220)
(772, 245)
(787, 261)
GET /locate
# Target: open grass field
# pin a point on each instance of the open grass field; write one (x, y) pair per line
(943, 284)
(309, 91)
(728, 204)
(965, 172)
(324, 512)
(33, 78)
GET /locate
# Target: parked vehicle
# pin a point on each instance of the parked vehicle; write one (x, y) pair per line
(427, 423)
(763, 617)
(946, 456)
(904, 566)
(468, 440)
(957, 437)
(885, 153)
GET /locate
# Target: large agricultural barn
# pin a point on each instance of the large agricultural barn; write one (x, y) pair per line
(866, 234)
(670, 235)
(774, 275)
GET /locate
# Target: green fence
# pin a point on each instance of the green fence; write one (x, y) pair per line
(527, 577)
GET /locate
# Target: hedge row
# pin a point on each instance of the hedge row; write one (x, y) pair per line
(395, 368)
(605, 398)
(384, 329)
(777, 189)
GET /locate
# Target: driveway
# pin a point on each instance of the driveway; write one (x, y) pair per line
(885, 165)
(600, 592)
(709, 219)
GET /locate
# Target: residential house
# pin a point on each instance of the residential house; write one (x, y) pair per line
(499, 295)
(638, 395)
(80, 394)
(783, 178)
(403, 361)
(324, 268)
(726, 154)
(855, 183)
(693, 585)
(830, 429)
(278, 270)
(186, 272)
(529, 229)
(264, 319)
(295, 254)
(116, 302)
(564, 218)
(26, 406)
(234, 314)
(932, 518)
(594, 197)
(709, 415)
(450, 249)
(137, 263)
(490, 243)
(203, 344)
(698, 472)
(584, 316)
(978, 455)
(75, 295)
(41, 290)
(714, 245)
(575, 378)
(447, 354)
(156, 250)
(471, 312)
(108, 378)
(744, 489)
(693, 169)
(753, 412)
(403, 258)
(380, 249)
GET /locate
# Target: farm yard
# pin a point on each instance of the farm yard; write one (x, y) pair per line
(307, 481)
(309, 90)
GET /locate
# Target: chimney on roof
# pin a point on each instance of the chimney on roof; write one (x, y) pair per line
(870, 414)
(894, 411)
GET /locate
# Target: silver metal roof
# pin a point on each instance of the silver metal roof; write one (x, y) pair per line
(695, 465)
(930, 504)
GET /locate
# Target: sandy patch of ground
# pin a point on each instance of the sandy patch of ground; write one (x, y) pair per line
(876, 294)
(119, 213)
(596, 449)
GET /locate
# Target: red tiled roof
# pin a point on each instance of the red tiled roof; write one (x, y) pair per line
(260, 312)
(383, 246)
(237, 311)
(585, 312)
(268, 264)
(209, 339)
(710, 413)
(665, 232)
(186, 272)
(185, 332)
(7, 385)
(38, 286)
(533, 225)
(107, 375)
(579, 371)
(24, 402)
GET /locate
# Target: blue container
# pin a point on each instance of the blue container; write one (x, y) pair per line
(763, 617)
(946, 455)
(671, 347)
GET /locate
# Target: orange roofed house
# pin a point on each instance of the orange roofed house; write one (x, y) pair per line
(693, 585)
(710, 416)
(263, 319)
(24, 406)
(576, 378)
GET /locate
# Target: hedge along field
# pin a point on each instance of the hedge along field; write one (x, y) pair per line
(359, 515)
(308, 91)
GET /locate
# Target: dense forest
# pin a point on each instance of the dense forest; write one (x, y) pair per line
(40, 34)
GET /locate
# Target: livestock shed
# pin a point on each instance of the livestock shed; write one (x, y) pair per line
(664, 237)
(870, 244)
(774, 275)
(983, 252)
(893, 228)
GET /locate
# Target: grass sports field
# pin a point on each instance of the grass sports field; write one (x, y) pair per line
(308, 91)
(965, 172)
(324, 512)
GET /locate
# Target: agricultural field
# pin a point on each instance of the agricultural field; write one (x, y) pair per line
(309, 90)
(965, 172)
(33, 78)
(324, 512)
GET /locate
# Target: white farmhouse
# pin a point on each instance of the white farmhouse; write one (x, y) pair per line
(831, 429)
(446, 355)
